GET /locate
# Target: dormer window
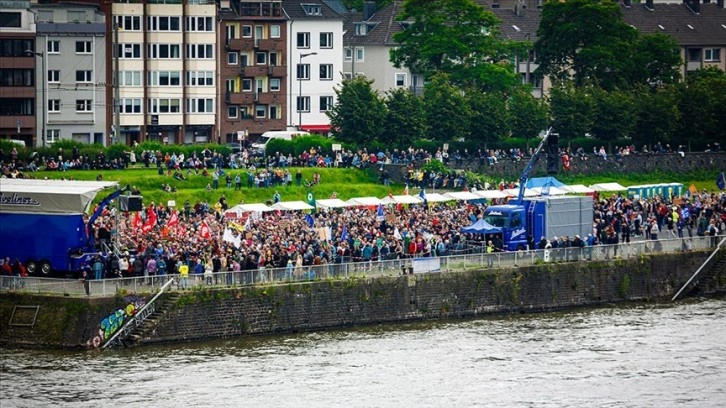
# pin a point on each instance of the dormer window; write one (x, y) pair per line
(361, 29)
(312, 9)
(405, 24)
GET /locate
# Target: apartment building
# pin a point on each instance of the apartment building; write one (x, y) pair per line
(18, 60)
(316, 68)
(72, 45)
(167, 70)
(252, 64)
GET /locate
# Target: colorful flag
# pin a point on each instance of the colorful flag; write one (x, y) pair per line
(344, 236)
(311, 199)
(422, 194)
(174, 219)
(204, 231)
(721, 181)
(380, 216)
(309, 219)
(138, 223)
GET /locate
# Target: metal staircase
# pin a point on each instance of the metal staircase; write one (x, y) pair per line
(700, 279)
(145, 320)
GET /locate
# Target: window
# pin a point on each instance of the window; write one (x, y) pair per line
(232, 112)
(361, 28)
(200, 105)
(244, 59)
(131, 105)
(275, 112)
(16, 48)
(326, 40)
(130, 78)
(84, 76)
(128, 23)
(326, 103)
(274, 84)
(76, 16)
(163, 51)
(303, 71)
(230, 31)
(400, 80)
(129, 51)
(326, 72)
(164, 105)
(83, 47)
(274, 31)
(259, 34)
(17, 106)
(200, 78)
(163, 23)
(53, 47)
(52, 135)
(712, 54)
(84, 105)
(164, 78)
(359, 54)
(232, 58)
(303, 40)
(246, 85)
(54, 75)
(246, 31)
(312, 9)
(17, 77)
(303, 104)
(261, 58)
(230, 84)
(200, 51)
(54, 105)
(260, 111)
(8, 19)
(273, 59)
(348, 54)
(200, 23)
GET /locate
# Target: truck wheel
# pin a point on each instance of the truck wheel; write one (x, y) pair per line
(520, 247)
(45, 268)
(31, 266)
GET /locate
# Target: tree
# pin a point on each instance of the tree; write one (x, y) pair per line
(655, 60)
(658, 116)
(701, 101)
(456, 37)
(572, 111)
(405, 118)
(447, 112)
(585, 41)
(489, 116)
(614, 115)
(528, 115)
(359, 112)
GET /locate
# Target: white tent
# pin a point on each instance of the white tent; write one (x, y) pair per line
(514, 192)
(462, 195)
(436, 198)
(292, 206)
(578, 189)
(331, 203)
(402, 199)
(256, 207)
(489, 194)
(552, 190)
(608, 187)
(367, 201)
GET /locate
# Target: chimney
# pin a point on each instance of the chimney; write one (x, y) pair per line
(649, 4)
(369, 8)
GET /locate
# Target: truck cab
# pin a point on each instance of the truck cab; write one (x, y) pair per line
(513, 222)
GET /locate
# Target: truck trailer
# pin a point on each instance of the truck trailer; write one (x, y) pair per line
(43, 223)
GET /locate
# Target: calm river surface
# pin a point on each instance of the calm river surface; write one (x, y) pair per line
(624, 356)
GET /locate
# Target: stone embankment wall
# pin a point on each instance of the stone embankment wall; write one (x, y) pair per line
(511, 170)
(220, 313)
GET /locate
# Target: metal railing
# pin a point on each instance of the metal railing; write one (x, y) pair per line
(698, 271)
(348, 270)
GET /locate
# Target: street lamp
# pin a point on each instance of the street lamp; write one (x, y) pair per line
(299, 81)
(45, 79)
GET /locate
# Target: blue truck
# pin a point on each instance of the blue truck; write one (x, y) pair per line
(524, 221)
(43, 223)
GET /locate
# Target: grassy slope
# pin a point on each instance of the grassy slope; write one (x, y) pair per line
(347, 183)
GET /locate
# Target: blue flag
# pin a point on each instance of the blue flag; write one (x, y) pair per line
(422, 194)
(379, 214)
(721, 182)
(686, 213)
(344, 235)
(309, 220)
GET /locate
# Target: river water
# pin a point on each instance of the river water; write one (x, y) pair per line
(622, 356)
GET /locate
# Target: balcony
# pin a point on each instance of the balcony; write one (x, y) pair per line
(251, 71)
(251, 98)
(240, 44)
(277, 71)
(693, 65)
(275, 44)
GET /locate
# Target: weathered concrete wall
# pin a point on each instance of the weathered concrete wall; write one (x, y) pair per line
(511, 170)
(207, 314)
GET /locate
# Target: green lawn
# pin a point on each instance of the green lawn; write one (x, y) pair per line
(348, 183)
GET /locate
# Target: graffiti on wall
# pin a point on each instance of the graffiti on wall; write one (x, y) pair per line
(114, 321)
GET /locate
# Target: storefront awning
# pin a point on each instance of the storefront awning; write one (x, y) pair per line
(316, 128)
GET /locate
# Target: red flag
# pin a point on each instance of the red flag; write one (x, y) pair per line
(174, 219)
(137, 221)
(204, 231)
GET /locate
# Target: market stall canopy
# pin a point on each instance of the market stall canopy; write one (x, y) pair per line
(543, 181)
(578, 189)
(49, 196)
(292, 206)
(481, 227)
(543, 191)
(437, 198)
(366, 201)
(607, 187)
(514, 192)
(489, 194)
(331, 203)
(255, 207)
(402, 199)
(462, 195)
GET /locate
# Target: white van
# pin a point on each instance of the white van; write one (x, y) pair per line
(261, 144)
